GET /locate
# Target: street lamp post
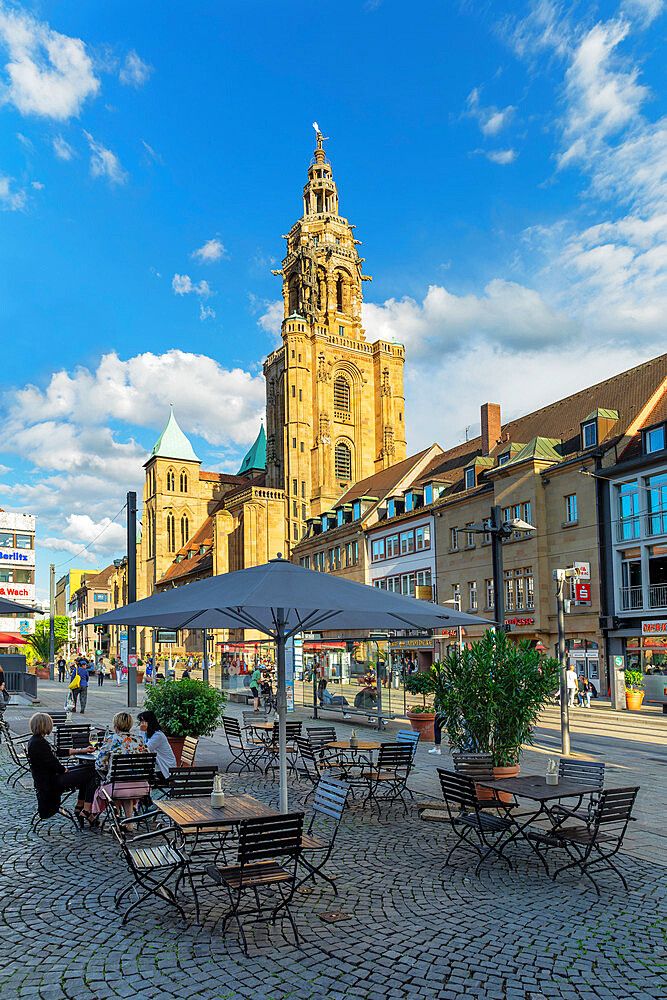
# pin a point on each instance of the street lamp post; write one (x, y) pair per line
(560, 576)
(499, 531)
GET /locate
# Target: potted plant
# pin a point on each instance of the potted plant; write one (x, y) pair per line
(491, 695)
(634, 690)
(185, 708)
(421, 716)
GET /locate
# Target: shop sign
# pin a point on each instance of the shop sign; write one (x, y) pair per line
(582, 593)
(22, 626)
(449, 633)
(18, 591)
(20, 557)
(584, 570)
(411, 644)
(654, 628)
(519, 621)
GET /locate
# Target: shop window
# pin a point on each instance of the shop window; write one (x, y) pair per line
(631, 579)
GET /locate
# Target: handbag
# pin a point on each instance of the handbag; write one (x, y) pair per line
(75, 683)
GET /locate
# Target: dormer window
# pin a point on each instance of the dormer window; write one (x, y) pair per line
(356, 510)
(589, 434)
(470, 478)
(503, 459)
(654, 439)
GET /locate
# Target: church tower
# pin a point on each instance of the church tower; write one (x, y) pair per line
(335, 411)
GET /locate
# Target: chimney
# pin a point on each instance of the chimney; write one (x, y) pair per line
(490, 426)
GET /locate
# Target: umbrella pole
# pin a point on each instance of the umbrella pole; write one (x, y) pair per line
(281, 704)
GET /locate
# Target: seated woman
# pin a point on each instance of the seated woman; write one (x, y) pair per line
(366, 698)
(51, 779)
(121, 742)
(326, 698)
(157, 743)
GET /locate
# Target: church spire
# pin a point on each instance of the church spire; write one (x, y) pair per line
(320, 195)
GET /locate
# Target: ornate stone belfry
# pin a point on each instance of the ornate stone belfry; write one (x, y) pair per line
(325, 373)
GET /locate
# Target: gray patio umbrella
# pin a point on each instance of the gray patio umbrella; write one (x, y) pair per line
(281, 599)
(12, 608)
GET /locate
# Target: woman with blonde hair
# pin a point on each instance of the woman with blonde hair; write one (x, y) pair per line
(122, 741)
(49, 776)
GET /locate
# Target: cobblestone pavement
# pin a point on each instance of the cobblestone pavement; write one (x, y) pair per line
(415, 929)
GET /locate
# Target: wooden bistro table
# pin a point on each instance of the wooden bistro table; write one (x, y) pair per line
(360, 757)
(534, 788)
(197, 813)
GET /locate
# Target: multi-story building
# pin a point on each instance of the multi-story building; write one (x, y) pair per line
(539, 468)
(335, 411)
(632, 495)
(17, 573)
(94, 596)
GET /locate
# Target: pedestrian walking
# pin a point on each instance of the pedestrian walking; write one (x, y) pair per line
(101, 671)
(78, 683)
(571, 681)
(61, 664)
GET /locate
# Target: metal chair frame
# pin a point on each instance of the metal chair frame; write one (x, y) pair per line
(293, 729)
(261, 843)
(245, 754)
(130, 767)
(17, 748)
(584, 772)
(314, 765)
(391, 773)
(585, 844)
(330, 800)
(152, 865)
(468, 821)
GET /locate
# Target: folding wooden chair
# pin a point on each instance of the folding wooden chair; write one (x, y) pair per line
(245, 754)
(596, 842)
(189, 751)
(388, 781)
(476, 830)
(314, 766)
(153, 860)
(70, 736)
(330, 801)
(268, 856)
(587, 773)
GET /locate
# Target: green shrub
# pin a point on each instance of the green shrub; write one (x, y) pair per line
(186, 707)
(419, 683)
(634, 680)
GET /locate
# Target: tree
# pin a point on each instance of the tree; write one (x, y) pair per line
(39, 642)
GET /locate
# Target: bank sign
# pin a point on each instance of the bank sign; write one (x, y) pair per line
(19, 592)
(17, 557)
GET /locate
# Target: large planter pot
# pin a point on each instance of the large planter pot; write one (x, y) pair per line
(633, 700)
(176, 744)
(422, 723)
(43, 673)
(506, 772)
(140, 676)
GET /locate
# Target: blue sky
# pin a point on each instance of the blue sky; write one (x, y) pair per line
(506, 174)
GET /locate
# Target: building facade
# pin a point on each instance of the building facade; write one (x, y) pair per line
(335, 411)
(17, 574)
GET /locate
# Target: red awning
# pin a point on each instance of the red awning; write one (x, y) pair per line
(11, 639)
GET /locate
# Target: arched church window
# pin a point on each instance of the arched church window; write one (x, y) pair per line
(171, 480)
(343, 461)
(184, 482)
(185, 530)
(341, 394)
(339, 293)
(171, 533)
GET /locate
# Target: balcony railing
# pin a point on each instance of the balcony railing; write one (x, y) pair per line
(653, 522)
(632, 598)
(657, 595)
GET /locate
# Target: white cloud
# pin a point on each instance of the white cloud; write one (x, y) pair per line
(184, 285)
(507, 313)
(38, 186)
(491, 120)
(272, 318)
(104, 163)
(62, 149)
(48, 74)
(205, 312)
(134, 71)
(644, 11)
(152, 154)
(501, 156)
(103, 537)
(211, 251)
(12, 199)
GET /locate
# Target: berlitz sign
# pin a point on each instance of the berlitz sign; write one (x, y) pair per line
(21, 557)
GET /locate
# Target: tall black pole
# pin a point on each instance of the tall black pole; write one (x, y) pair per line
(281, 705)
(496, 529)
(52, 620)
(205, 661)
(562, 659)
(131, 598)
